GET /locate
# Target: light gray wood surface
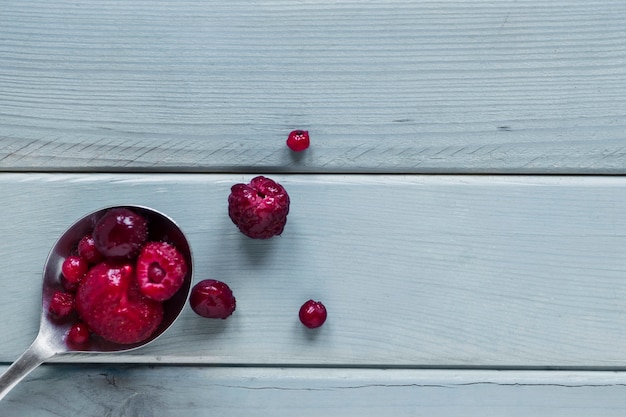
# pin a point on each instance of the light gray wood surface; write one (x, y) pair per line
(435, 271)
(383, 86)
(123, 391)
(448, 295)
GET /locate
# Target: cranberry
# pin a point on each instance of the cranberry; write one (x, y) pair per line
(312, 314)
(298, 140)
(70, 287)
(212, 299)
(87, 250)
(120, 233)
(61, 304)
(78, 334)
(74, 268)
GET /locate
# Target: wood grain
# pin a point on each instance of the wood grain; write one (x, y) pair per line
(108, 390)
(416, 271)
(388, 86)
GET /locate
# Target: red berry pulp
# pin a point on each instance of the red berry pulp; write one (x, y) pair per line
(110, 303)
(259, 209)
(298, 140)
(70, 287)
(313, 314)
(212, 299)
(87, 250)
(61, 304)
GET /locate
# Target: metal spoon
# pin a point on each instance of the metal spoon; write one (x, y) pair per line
(50, 342)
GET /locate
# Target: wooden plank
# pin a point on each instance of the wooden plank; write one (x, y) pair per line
(422, 271)
(91, 390)
(394, 86)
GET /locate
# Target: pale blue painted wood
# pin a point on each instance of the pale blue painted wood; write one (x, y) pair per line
(477, 271)
(415, 270)
(89, 390)
(383, 86)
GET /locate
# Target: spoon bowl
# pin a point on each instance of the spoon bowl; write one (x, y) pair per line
(50, 341)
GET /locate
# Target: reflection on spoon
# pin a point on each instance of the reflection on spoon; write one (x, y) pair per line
(50, 342)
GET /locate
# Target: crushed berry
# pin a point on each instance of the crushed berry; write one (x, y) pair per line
(61, 304)
(87, 250)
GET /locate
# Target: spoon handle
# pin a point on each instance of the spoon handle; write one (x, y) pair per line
(34, 356)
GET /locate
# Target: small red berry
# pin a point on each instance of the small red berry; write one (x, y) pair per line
(87, 250)
(71, 287)
(313, 314)
(61, 304)
(298, 140)
(212, 299)
(78, 334)
(74, 268)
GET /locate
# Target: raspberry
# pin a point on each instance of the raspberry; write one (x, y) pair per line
(78, 334)
(161, 270)
(212, 299)
(259, 209)
(120, 233)
(298, 140)
(110, 303)
(74, 268)
(87, 250)
(61, 304)
(312, 314)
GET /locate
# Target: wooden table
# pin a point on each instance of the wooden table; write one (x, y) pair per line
(461, 210)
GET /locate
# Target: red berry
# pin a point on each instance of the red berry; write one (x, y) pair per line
(313, 314)
(61, 304)
(212, 299)
(120, 233)
(298, 140)
(87, 250)
(78, 334)
(74, 268)
(161, 270)
(110, 303)
(71, 287)
(260, 208)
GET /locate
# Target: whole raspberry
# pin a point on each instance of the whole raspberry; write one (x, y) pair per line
(298, 140)
(161, 270)
(260, 208)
